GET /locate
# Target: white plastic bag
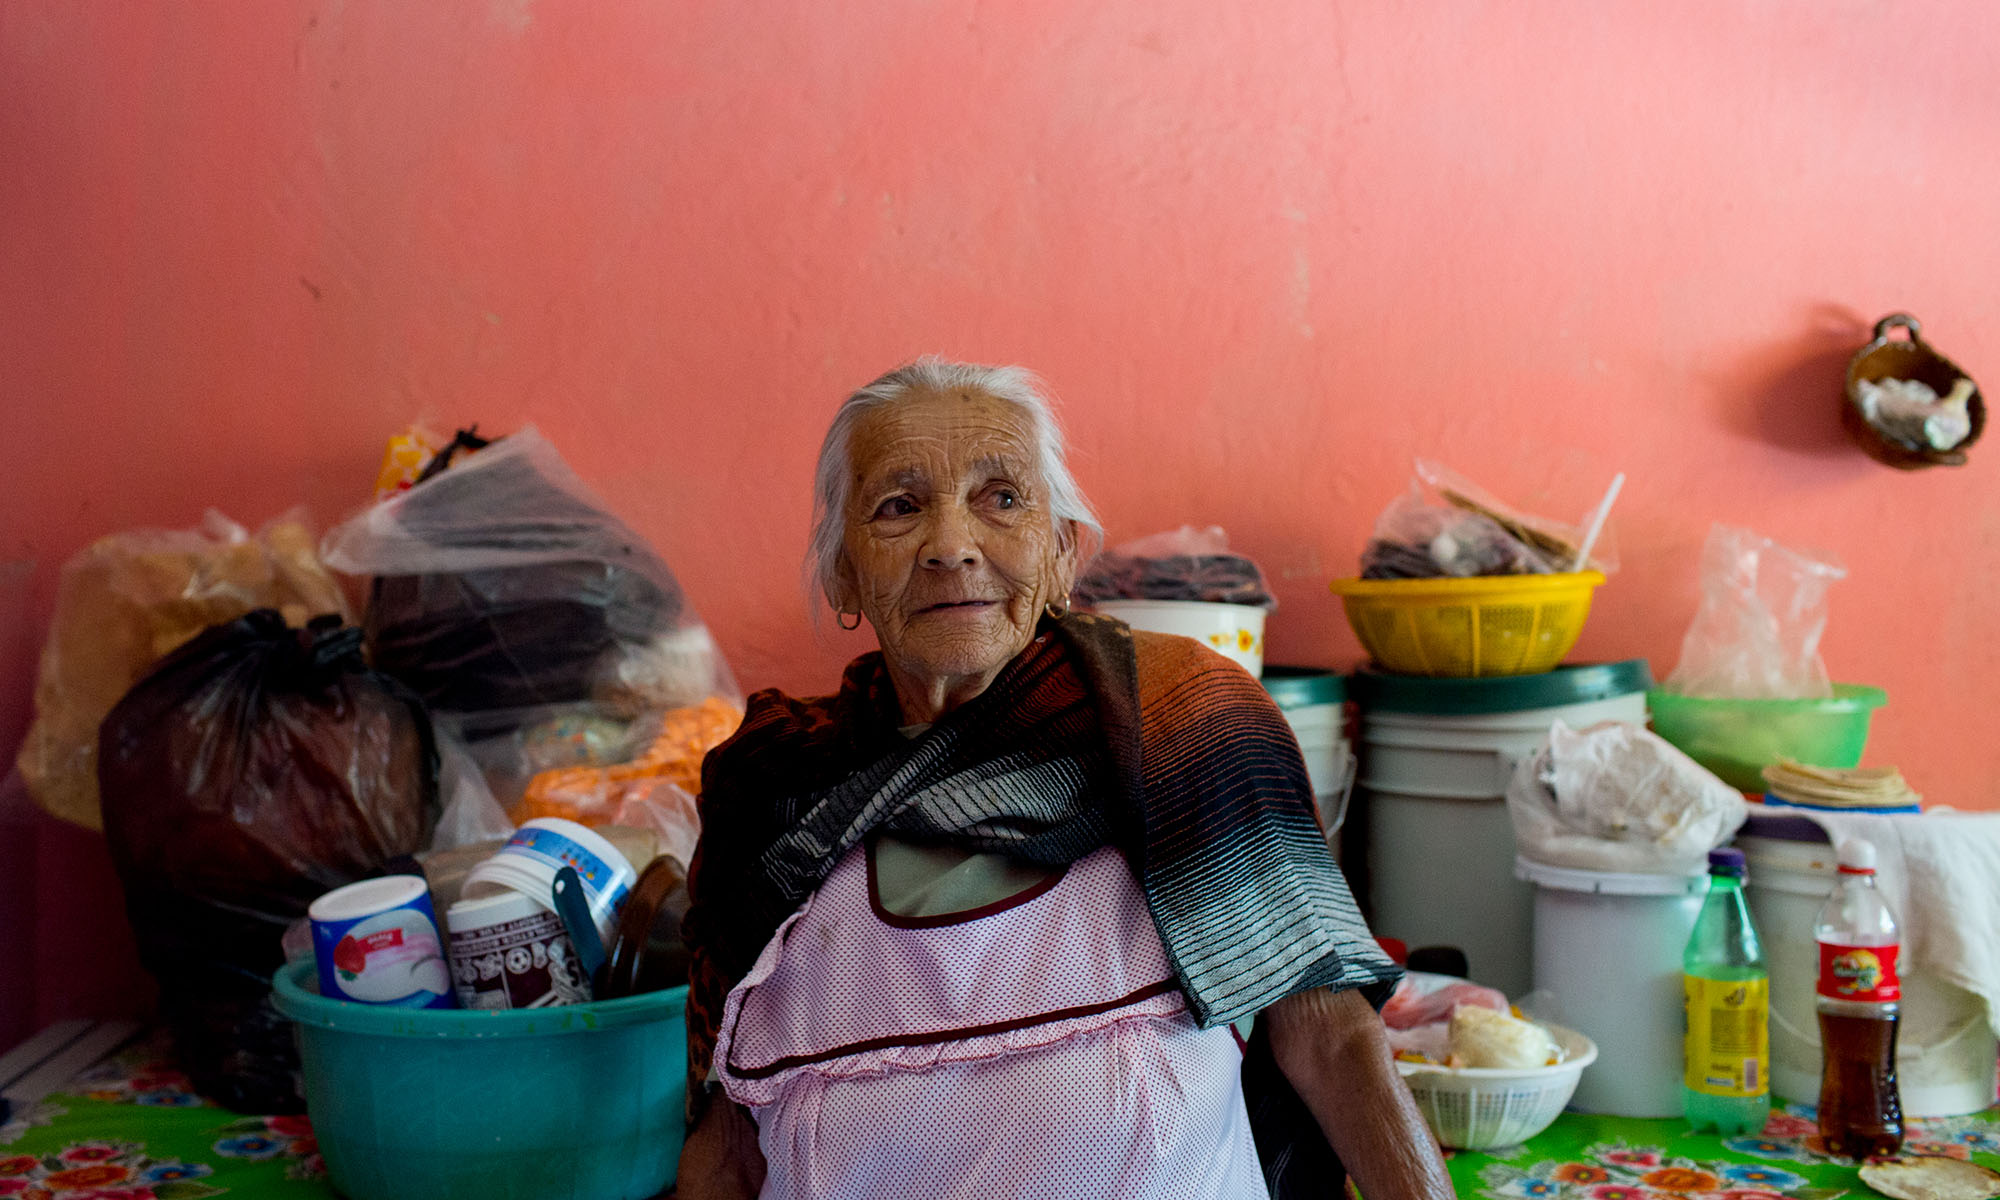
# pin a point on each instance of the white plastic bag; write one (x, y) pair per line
(1756, 634)
(1618, 797)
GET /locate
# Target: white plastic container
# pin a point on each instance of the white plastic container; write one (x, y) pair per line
(1236, 631)
(1944, 1048)
(530, 859)
(1608, 951)
(1436, 756)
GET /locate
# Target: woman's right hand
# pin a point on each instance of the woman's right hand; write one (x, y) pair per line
(721, 1160)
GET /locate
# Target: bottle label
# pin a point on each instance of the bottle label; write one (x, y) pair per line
(1863, 973)
(1728, 1036)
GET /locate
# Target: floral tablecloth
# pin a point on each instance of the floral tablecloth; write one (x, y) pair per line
(1617, 1158)
(131, 1129)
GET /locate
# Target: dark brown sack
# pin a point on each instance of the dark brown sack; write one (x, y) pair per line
(250, 772)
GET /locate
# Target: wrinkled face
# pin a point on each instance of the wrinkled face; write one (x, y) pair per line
(950, 550)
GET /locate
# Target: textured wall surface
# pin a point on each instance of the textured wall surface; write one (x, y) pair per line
(1266, 254)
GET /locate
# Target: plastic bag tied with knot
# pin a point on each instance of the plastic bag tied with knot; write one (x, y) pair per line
(1763, 609)
(543, 631)
(1618, 797)
(255, 769)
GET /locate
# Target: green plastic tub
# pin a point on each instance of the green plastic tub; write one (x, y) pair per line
(1737, 739)
(582, 1102)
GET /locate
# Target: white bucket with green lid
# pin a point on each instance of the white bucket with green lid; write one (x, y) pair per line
(1436, 757)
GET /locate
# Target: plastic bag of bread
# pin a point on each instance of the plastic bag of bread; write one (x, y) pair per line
(127, 601)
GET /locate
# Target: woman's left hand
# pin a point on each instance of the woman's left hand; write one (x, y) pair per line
(1332, 1049)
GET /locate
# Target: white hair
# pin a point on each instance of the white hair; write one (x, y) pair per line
(929, 375)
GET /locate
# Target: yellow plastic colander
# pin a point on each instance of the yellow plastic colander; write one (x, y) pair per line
(1454, 628)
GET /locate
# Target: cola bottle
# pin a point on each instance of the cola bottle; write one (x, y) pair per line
(1859, 997)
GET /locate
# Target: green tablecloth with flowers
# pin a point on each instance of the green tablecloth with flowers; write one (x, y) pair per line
(1617, 1158)
(131, 1129)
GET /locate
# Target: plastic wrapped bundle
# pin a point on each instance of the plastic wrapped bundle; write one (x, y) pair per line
(1182, 564)
(522, 611)
(253, 770)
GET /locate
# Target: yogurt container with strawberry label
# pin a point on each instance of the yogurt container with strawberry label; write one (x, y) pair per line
(376, 942)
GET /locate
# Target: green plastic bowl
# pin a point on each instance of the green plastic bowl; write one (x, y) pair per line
(1737, 739)
(580, 1102)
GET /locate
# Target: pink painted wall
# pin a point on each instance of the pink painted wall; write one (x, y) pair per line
(1266, 253)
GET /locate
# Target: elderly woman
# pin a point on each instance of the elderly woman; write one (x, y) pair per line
(978, 924)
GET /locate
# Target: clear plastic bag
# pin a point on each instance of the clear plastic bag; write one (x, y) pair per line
(1446, 525)
(1763, 609)
(531, 620)
(1180, 564)
(503, 582)
(253, 770)
(1618, 797)
(128, 600)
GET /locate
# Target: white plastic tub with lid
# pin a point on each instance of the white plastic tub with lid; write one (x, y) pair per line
(1436, 756)
(1945, 1050)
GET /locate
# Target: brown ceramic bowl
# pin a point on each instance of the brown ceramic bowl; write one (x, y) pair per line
(1883, 358)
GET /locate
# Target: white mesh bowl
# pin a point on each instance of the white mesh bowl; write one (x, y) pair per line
(1478, 1108)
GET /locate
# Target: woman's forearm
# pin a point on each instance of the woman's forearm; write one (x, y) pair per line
(1331, 1047)
(721, 1160)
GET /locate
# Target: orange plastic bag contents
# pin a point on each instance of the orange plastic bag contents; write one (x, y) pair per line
(597, 795)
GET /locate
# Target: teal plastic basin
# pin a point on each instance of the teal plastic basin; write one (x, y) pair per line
(1737, 739)
(580, 1102)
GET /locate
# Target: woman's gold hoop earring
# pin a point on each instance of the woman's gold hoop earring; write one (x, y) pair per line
(1058, 613)
(840, 619)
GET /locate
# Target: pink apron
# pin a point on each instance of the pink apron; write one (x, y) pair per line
(1036, 1048)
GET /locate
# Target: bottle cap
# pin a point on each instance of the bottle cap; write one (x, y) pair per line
(1857, 857)
(1726, 861)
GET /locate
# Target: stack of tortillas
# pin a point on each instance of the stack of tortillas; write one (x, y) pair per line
(1939, 1178)
(1832, 787)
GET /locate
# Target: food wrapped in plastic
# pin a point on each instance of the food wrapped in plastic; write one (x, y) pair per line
(129, 599)
(1180, 564)
(253, 770)
(1446, 525)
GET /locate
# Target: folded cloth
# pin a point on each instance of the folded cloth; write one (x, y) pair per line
(1940, 873)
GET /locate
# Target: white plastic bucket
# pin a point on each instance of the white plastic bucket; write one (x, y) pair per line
(1236, 631)
(1440, 843)
(1944, 1048)
(1608, 951)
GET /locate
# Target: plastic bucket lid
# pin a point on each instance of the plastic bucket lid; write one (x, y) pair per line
(1304, 687)
(1564, 686)
(1608, 883)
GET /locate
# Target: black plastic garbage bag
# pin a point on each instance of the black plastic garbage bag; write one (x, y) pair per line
(254, 769)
